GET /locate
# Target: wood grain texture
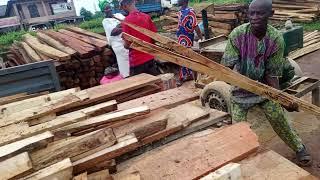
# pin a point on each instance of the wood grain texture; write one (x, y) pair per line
(178, 159)
(54, 43)
(26, 145)
(101, 175)
(82, 176)
(71, 147)
(30, 52)
(15, 166)
(88, 33)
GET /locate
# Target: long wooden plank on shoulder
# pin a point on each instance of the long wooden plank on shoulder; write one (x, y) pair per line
(19, 106)
(206, 66)
(216, 148)
(56, 44)
(45, 49)
(166, 99)
(59, 170)
(46, 109)
(16, 166)
(20, 131)
(99, 121)
(71, 147)
(26, 145)
(88, 33)
(100, 44)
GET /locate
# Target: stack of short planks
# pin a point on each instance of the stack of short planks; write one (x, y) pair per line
(311, 43)
(223, 21)
(296, 10)
(72, 132)
(80, 56)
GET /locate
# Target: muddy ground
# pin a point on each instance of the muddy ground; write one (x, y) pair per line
(308, 126)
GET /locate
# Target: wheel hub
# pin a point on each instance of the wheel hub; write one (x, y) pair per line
(216, 101)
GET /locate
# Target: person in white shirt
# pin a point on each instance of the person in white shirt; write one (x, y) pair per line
(112, 27)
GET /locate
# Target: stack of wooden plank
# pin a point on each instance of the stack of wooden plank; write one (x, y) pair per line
(80, 56)
(66, 133)
(311, 43)
(223, 21)
(296, 10)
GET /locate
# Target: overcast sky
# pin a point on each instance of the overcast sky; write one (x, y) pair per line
(91, 5)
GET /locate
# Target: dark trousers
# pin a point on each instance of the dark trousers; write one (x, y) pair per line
(149, 67)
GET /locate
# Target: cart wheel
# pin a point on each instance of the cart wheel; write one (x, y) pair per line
(297, 68)
(216, 95)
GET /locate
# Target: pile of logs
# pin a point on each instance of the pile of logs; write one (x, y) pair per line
(311, 43)
(80, 56)
(223, 21)
(296, 10)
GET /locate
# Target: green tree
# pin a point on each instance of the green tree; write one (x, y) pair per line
(86, 14)
(102, 4)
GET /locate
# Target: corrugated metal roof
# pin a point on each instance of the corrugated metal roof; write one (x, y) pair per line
(3, 10)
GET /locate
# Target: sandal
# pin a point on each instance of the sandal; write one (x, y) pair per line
(304, 158)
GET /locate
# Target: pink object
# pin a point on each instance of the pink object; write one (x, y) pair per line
(109, 79)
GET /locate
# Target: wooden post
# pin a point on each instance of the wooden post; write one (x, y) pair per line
(18, 14)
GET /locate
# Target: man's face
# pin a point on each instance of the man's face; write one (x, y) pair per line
(108, 12)
(258, 17)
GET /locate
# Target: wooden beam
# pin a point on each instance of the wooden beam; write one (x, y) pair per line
(59, 170)
(19, 97)
(83, 176)
(231, 171)
(101, 175)
(31, 52)
(68, 148)
(100, 44)
(15, 166)
(29, 144)
(20, 131)
(56, 44)
(45, 49)
(99, 122)
(88, 33)
(214, 147)
(150, 129)
(204, 65)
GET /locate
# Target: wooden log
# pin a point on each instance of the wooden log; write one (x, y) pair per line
(60, 170)
(47, 109)
(99, 121)
(56, 44)
(45, 49)
(31, 53)
(20, 131)
(16, 166)
(128, 143)
(84, 50)
(88, 33)
(29, 144)
(71, 147)
(216, 148)
(98, 43)
(207, 66)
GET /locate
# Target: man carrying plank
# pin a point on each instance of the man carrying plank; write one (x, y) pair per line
(256, 50)
(140, 62)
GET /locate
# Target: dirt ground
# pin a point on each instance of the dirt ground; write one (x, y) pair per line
(308, 126)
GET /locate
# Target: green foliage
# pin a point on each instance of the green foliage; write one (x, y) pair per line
(98, 14)
(94, 23)
(311, 26)
(8, 38)
(86, 14)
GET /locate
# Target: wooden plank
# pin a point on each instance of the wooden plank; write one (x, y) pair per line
(216, 148)
(220, 25)
(23, 52)
(45, 49)
(131, 176)
(88, 33)
(20, 131)
(46, 109)
(28, 144)
(15, 166)
(60, 170)
(150, 129)
(204, 65)
(129, 143)
(98, 43)
(165, 99)
(54, 43)
(303, 51)
(19, 97)
(31, 53)
(270, 165)
(102, 121)
(231, 171)
(82, 176)
(109, 164)
(43, 119)
(84, 50)
(71, 147)
(101, 175)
